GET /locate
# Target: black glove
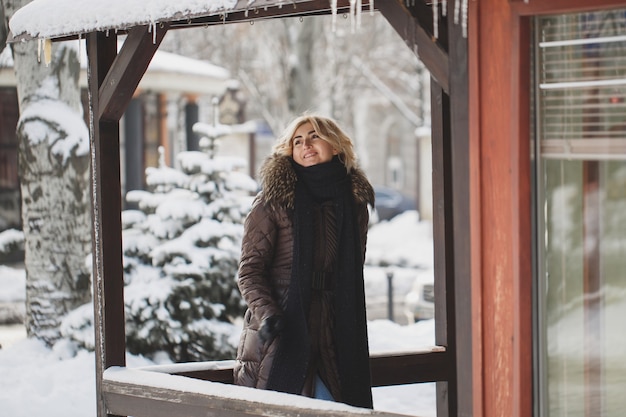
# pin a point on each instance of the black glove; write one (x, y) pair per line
(270, 328)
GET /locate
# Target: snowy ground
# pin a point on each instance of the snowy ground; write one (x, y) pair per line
(37, 381)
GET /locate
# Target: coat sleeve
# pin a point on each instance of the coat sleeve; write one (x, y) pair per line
(257, 253)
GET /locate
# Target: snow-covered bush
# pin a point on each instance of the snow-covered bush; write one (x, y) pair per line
(181, 251)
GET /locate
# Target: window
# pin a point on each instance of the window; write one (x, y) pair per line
(581, 195)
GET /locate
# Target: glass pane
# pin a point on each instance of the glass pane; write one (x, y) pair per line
(581, 192)
(585, 287)
(613, 267)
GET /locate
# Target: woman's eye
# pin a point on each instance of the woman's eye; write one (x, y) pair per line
(297, 142)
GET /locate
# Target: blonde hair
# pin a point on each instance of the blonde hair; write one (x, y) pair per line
(328, 130)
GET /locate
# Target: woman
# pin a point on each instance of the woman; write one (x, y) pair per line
(301, 269)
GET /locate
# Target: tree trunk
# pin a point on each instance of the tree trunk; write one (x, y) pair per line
(301, 83)
(54, 179)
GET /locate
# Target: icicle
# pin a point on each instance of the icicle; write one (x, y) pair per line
(245, 13)
(359, 7)
(464, 18)
(352, 20)
(80, 49)
(152, 29)
(47, 51)
(457, 6)
(435, 7)
(39, 47)
(371, 7)
(333, 8)
(444, 7)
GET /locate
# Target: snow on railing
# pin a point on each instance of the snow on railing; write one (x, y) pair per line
(141, 393)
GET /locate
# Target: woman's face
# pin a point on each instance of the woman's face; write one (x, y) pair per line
(308, 148)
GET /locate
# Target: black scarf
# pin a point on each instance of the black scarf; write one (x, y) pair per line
(316, 184)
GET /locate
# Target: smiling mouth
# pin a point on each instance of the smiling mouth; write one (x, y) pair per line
(309, 155)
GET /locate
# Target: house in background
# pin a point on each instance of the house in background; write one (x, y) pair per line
(175, 93)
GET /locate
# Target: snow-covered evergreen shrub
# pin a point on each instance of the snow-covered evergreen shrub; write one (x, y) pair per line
(180, 251)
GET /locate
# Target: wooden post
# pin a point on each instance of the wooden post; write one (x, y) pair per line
(443, 236)
(108, 275)
(460, 171)
(113, 79)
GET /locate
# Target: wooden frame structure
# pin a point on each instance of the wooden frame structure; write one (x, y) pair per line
(452, 261)
(114, 76)
(481, 130)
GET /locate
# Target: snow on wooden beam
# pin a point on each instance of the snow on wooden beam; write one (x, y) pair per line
(50, 19)
(151, 394)
(65, 19)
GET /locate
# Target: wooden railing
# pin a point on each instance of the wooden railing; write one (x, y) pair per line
(205, 389)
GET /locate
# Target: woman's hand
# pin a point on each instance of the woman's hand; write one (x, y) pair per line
(270, 328)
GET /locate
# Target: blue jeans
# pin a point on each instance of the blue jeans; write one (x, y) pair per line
(321, 391)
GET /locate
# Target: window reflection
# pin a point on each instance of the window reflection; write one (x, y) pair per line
(581, 117)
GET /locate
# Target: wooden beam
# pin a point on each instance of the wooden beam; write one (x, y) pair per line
(501, 91)
(164, 395)
(461, 172)
(108, 275)
(397, 369)
(430, 365)
(428, 50)
(475, 210)
(128, 68)
(443, 236)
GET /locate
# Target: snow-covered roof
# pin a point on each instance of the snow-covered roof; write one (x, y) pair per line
(49, 19)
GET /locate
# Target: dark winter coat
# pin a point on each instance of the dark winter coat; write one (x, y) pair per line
(265, 273)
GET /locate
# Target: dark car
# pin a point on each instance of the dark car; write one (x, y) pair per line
(390, 202)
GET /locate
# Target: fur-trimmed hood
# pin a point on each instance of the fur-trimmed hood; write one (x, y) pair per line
(278, 183)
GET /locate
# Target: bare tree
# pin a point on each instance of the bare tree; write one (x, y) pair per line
(54, 180)
(288, 66)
